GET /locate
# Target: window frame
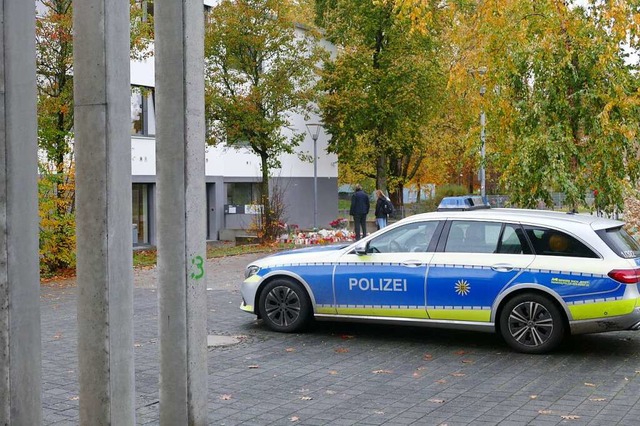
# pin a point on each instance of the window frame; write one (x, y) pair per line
(444, 236)
(595, 253)
(431, 247)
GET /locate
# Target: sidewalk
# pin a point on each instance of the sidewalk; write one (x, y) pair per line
(349, 374)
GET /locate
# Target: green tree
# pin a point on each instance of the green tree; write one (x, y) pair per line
(259, 71)
(382, 89)
(54, 49)
(562, 98)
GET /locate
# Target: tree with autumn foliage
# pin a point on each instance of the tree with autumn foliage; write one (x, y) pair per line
(259, 71)
(382, 89)
(54, 49)
(562, 99)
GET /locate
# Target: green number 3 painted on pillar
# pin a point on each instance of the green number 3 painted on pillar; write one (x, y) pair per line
(198, 262)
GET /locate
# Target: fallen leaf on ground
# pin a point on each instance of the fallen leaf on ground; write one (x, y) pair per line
(74, 398)
(290, 350)
(254, 366)
(421, 368)
(533, 396)
(306, 398)
(342, 350)
(460, 352)
(436, 401)
(346, 336)
(570, 417)
(333, 372)
(458, 374)
(379, 412)
(590, 385)
(416, 374)
(294, 418)
(545, 411)
(441, 381)
(225, 397)
(596, 399)
(137, 345)
(427, 357)
(57, 336)
(382, 371)
(468, 361)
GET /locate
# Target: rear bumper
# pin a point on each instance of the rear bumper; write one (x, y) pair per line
(629, 321)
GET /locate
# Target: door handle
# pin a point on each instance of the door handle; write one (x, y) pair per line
(412, 263)
(502, 267)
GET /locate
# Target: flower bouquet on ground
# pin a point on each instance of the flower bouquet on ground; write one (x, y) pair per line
(339, 223)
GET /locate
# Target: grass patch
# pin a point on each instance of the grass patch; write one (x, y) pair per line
(148, 258)
(144, 258)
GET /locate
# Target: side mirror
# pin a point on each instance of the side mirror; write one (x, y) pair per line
(361, 248)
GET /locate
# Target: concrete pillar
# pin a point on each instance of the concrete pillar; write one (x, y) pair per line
(20, 367)
(103, 220)
(179, 52)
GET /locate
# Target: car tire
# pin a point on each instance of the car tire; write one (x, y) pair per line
(284, 306)
(532, 323)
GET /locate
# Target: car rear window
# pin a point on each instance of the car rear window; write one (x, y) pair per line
(551, 242)
(619, 240)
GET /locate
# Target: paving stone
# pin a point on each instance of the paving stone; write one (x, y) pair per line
(381, 378)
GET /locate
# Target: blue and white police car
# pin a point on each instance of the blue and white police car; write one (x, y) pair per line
(532, 276)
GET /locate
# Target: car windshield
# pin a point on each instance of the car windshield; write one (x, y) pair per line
(619, 240)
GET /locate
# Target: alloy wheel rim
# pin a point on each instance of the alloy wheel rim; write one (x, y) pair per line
(530, 324)
(282, 306)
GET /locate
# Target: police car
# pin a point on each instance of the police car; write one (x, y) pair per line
(532, 276)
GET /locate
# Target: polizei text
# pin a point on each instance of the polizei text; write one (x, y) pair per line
(378, 284)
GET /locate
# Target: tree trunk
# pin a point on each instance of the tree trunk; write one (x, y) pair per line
(265, 199)
(381, 172)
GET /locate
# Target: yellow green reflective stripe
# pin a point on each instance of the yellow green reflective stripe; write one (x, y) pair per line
(384, 312)
(483, 315)
(323, 310)
(253, 279)
(602, 309)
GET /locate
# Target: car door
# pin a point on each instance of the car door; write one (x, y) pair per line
(475, 261)
(388, 280)
(576, 273)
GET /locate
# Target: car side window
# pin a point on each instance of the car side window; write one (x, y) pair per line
(413, 237)
(513, 241)
(551, 242)
(473, 237)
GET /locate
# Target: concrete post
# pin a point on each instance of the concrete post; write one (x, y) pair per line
(20, 349)
(179, 52)
(103, 222)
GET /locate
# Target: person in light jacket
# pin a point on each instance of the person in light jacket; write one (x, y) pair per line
(381, 211)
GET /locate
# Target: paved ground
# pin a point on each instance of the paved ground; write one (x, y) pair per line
(357, 374)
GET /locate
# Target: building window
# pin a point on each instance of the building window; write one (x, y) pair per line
(148, 8)
(242, 193)
(140, 210)
(143, 111)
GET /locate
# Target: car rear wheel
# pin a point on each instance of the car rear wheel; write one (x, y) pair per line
(532, 323)
(284, 306)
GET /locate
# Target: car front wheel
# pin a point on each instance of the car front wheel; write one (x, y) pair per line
(532, 323)
(284, 306)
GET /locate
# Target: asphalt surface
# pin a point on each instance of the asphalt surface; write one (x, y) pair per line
(351, 374)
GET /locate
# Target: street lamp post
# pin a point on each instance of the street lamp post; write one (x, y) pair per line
(314, 131)
(483, 189)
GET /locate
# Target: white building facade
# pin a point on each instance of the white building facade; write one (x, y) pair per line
(232, 175)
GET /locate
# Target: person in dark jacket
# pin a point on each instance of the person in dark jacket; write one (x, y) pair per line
(359, 210)
(381, 211)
